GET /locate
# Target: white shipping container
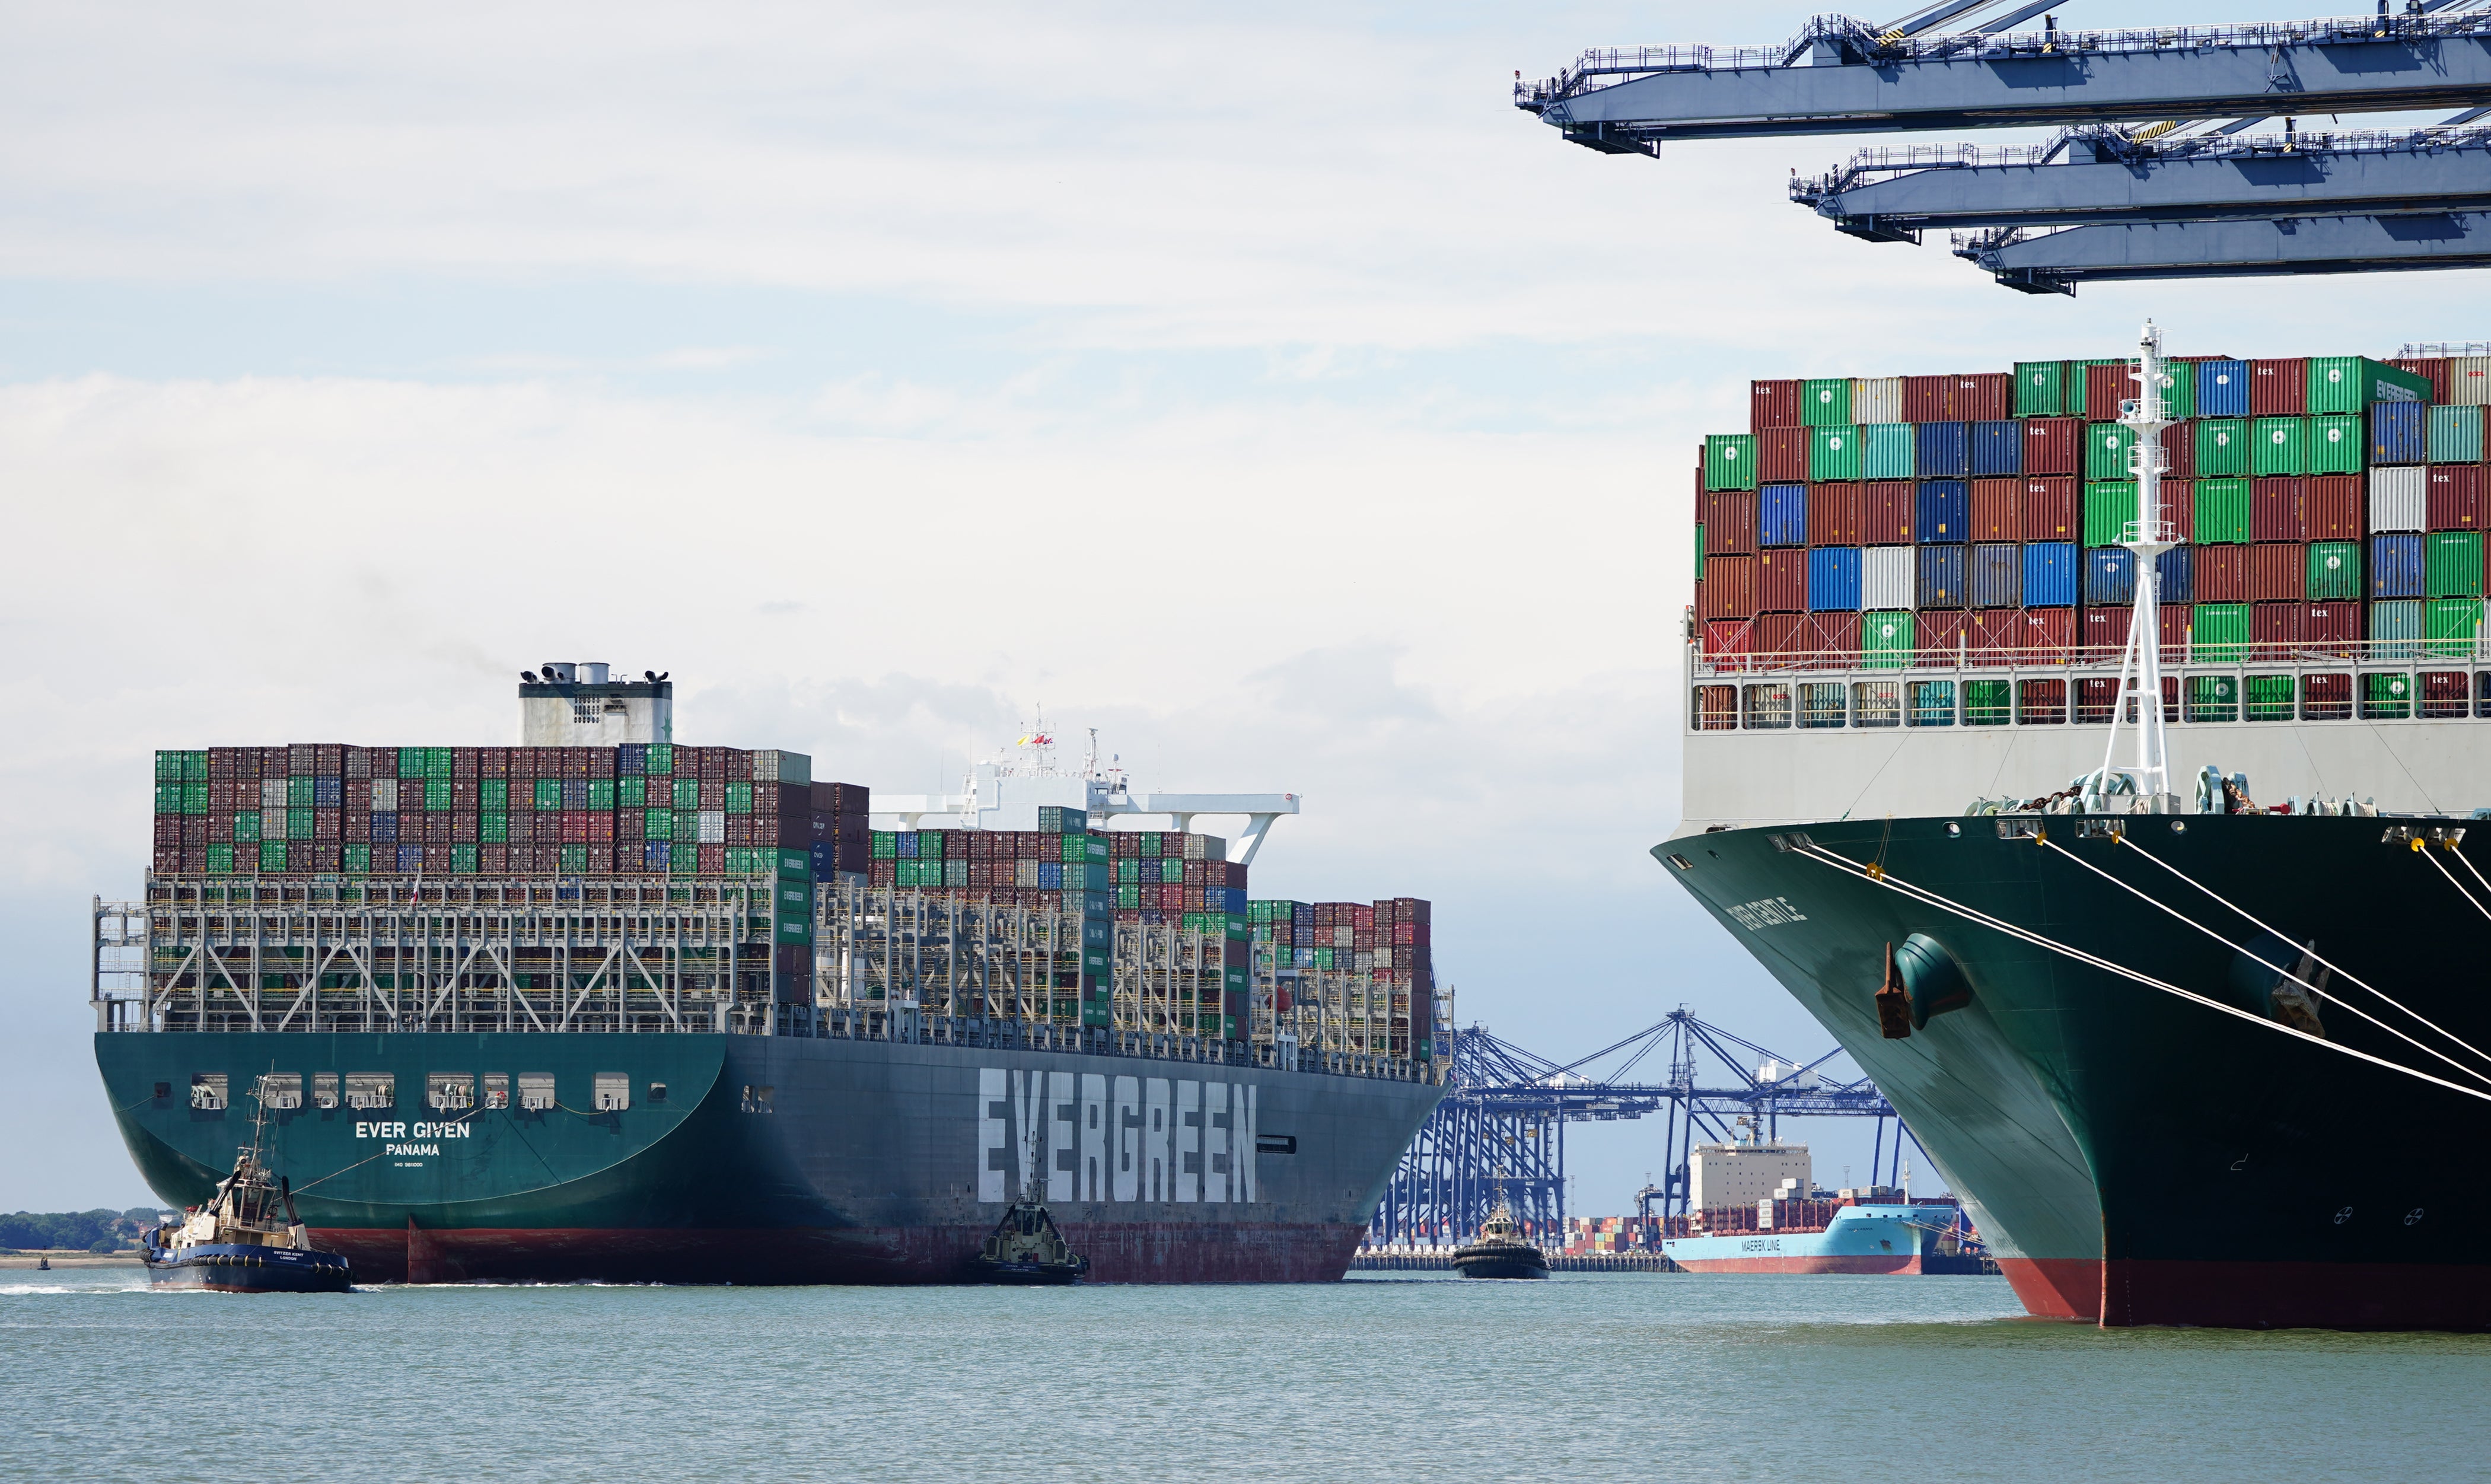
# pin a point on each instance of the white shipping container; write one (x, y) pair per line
(2468, 381)
(385, 796)
(272, 796)
(272, 823)
(1886, 577)
(1877, 399)
(712, 826)
(2399, 497)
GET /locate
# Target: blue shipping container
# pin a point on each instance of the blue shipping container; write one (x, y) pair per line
(2395, 626)
(1938, 450)
(2110, 577)
(2222, 389)
(1941, 577)
(1996, 575)
(1996, 447)
(1833, 579)
(2396, 566)
(1781, 516)
(2456, 435)
(2399, 433)
(1943, 513)
(2175, 576)
(2050, 574)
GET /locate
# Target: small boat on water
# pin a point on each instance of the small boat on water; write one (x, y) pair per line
(248, 1238)
(1500, 1251)
(1025, 1248)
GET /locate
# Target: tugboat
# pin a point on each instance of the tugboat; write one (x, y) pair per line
(1027, 1248)
(1500, 1251)
(236, 1244)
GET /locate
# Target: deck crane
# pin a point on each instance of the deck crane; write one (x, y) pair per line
(2154, 172)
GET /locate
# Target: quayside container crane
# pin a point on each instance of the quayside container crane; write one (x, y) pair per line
(2154, 172)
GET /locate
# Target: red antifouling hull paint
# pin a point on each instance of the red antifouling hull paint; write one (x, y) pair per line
(1781, 454)
(2056, 1288)
(1886, 512)
(1834, 515)
(2295, 1295)
(1771, 405)
(2054, 445)
(2279, 388)
(1906, 1265)
(2050, 510)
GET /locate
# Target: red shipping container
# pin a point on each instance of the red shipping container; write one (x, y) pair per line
(2221, 574)
(1937, 634)
(1886, 512)
(1781, 455)
(2050, 510)
(2054, 446)
(2275, 571)
(1834, 515)
(2180, 508)
(1728, 590)
(1771, 405)
(1729, 520)
(1927, 399)
(2435, 368)
(2105, 387)
(1833, 639)
(2278, 389)
(1716, 709)
(1780, 638)
(2274, 508)
(2105, 633)
(2331, 508)
(2456, 497)
(2180, 450)
(2445, 693)
(1781, 581)
(2174, 619)
(2274, 630)
(1995, 635)
(1997, 510)
(1985, 397)
(2330, 628)
(2049, 635)
(1727, 642)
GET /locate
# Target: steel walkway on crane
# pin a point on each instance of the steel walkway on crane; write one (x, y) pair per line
(2102, 176)
(2056, 262)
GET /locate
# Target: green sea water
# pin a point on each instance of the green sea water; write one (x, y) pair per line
(1392, 1377)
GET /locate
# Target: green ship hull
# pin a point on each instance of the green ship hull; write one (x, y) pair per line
(2133, 1156)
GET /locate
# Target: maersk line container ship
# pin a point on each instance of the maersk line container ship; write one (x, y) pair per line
(600, 1007)
(2164, 1049)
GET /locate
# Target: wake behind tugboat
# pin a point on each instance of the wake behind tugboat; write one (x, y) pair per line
(1500, 1251)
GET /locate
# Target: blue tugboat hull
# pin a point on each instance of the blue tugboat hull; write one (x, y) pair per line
(250, 1269)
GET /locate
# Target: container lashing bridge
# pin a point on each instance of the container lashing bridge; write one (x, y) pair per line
(2153, 171)
(1499, 1136)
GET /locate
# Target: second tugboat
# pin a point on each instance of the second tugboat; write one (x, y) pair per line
(1500, 1251)
(236, 1243)
(1026, 1247)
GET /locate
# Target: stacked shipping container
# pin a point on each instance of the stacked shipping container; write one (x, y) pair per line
(2317, 500)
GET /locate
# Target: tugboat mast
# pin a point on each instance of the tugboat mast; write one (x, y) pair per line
(2149, 537)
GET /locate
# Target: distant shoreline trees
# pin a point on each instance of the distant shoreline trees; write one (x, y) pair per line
(97, 1230)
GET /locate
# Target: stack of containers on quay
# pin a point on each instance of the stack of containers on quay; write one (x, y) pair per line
(2318, 503)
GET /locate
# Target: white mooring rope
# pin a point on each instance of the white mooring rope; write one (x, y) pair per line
(2052, 845)
(2458, 884)
(1890, 883)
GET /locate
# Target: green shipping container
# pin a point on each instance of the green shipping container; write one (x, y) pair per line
(686, 799)
(2222, 511)
(1834, 452)
(600, 794)
(2106, 445)
(2219, 633)
(220, 859)
(247, 829)
(2351, 383)
(1986, 702)
(272, 855)
(2279, 445)
(462, 859)
(1826, 403)
(169, 768)
(2456, 435)
(2178, 391)
(2451, 564)
(2452, 628)
(661, 760)
(493, 828)
(2222, 447)
(2334, 572)
(2269, 698)
(298, 792)
(2214, 698)
(2386, 697)
(628, 794)
(2337, 444)
(2110, 508)
(1888, 451)
(1699, 551)
(1730, 461)
(494, 794)
(2040, 389)
(195, 798)
(1886, 640)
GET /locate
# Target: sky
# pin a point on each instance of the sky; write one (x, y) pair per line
(1260, 388)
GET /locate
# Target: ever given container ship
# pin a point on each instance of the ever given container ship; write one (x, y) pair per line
(604, 1008)
(2199, 1044)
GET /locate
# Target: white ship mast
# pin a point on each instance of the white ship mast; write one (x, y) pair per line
(2149, 537)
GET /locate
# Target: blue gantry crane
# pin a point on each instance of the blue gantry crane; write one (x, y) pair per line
(1499, 1136)
(2152, 172)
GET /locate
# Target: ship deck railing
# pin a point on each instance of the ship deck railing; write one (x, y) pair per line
(2356, 683)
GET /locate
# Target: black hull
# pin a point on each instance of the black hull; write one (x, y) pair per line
(250, 1269)
(1526, 1262)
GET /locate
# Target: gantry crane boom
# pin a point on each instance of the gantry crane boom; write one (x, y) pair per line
(2056, 262)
